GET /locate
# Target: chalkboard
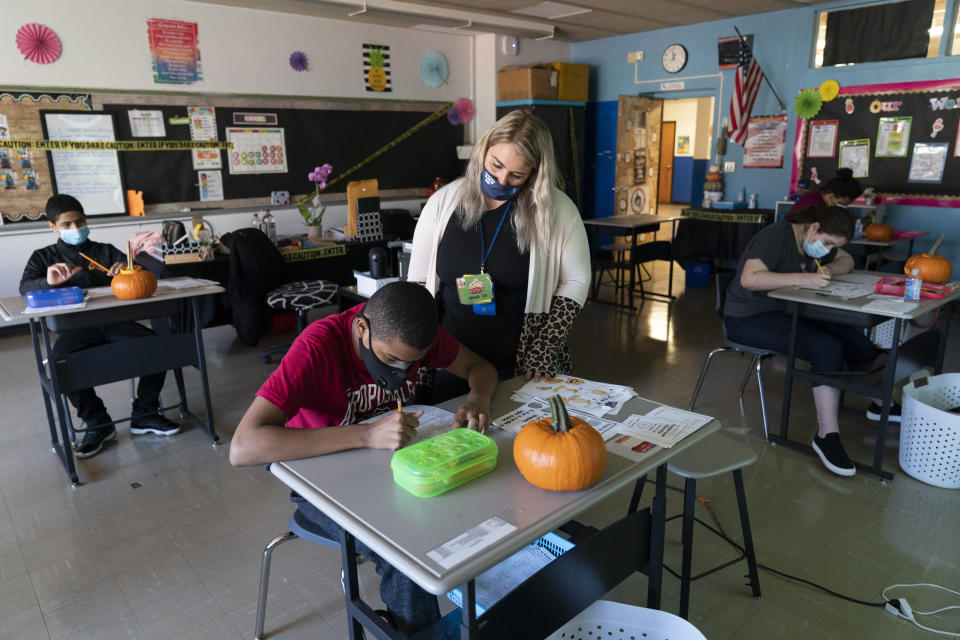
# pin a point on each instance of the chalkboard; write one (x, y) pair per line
(904, 127)
(95, 178)
(327, 133)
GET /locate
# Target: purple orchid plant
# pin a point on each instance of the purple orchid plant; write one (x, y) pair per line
(313, 215)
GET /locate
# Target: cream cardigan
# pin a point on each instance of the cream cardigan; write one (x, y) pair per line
(562, 268)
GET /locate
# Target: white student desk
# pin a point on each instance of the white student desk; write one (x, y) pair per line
(356, 489)
(823, 307)
(114, 361)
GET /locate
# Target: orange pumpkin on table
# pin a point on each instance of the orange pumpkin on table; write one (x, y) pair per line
(878, 232)
(133, 282)
(560, 453)
(932, 268)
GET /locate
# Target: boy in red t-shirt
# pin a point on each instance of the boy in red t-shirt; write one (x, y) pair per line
(346, 368)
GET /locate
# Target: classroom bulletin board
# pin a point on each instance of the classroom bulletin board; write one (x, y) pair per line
(902, 139)
(276, 143)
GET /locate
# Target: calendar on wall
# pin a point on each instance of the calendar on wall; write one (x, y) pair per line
(259, 150)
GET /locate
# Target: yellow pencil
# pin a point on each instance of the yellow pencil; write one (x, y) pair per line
(95, 263)
(399, 407)
(819, 267)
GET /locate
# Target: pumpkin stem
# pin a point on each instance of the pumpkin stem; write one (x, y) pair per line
(559, 418)
(936, 245)
(129, 255)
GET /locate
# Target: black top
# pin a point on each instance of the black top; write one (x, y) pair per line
(493, 337)
(35, 273)
(776, 246)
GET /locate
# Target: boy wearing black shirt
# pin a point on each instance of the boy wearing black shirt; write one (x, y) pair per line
(61, 265)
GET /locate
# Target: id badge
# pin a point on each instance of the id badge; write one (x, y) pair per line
(475, 288)
(485, 309)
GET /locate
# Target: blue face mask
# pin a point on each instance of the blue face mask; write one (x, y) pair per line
(75, 236)
(815, 249)
(496, 191)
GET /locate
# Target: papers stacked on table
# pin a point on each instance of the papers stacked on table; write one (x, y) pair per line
(664, 426)
(583, 396)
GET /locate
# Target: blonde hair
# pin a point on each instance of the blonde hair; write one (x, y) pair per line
(531, 210)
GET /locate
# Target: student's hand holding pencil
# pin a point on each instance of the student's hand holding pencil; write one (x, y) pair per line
(813, 280)
(59, 273)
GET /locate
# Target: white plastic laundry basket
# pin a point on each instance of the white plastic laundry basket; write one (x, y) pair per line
(929, 434)
(605, 620)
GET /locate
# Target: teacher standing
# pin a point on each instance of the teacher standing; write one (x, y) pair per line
(505, 232)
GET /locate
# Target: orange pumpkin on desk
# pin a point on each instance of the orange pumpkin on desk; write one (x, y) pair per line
(133, 284)
(878, 232)
(560, 453)
(932, 268)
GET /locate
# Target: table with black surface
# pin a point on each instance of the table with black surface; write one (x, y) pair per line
(115, 361)
(631, 225)
(717, 237)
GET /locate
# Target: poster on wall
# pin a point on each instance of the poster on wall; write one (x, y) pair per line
(683, 145)
(93, 177)
(893, 137)
(929, 159)
(956, 143)
(763, 148)
(376, 68)
(257, 150)
(822, 141)
(855, 155)
(146, 123)
(211, 185)
(203, 126)
(175, 50)
(4, 128)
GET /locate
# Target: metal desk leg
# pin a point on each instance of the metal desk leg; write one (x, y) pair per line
(944, 320)
(469, 628)
(673, 234)
(61, 448)
(657, 532)
(788, 374)
(204, 382)
(886, 392)
(35, 337)
(594, 278)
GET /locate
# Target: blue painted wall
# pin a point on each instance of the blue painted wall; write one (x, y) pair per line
(682, 178)
(783, 46)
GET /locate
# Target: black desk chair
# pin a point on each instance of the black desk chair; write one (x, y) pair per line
(620, 261)
(302, 297)
(723, 278)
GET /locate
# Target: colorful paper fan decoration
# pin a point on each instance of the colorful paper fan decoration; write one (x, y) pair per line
(38, 43)
(829, 90)
(453, 115)
(433, 69)
(465, 107)
(807, 103)
(298, 61)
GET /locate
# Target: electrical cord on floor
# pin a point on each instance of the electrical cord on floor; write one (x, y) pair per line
(897, 606)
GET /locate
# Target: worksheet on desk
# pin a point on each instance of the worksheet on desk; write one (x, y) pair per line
(433, 422)
(845, 290)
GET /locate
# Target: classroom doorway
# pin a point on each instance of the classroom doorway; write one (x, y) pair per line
(668, 132)
(638, 155)
(686, 149)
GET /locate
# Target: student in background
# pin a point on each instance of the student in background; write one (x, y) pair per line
(61, 265)
(802, 250)
(840, 191)
(349, 367)
(506, 219)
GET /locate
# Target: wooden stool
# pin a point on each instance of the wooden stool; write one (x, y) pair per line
(710, 457)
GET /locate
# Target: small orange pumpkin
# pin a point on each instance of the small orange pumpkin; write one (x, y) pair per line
(560, 453)
(878, 232)
(932, 268)
(133, 284)
(714, 176)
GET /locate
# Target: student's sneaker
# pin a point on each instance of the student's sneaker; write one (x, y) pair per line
(154, 423)
(832, 454)
(874, 412)
(93, 441)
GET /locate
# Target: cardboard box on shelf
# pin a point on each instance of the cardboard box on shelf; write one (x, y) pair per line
(534, 82)
(573, 81)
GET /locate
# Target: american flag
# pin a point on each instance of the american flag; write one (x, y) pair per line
(749, 75)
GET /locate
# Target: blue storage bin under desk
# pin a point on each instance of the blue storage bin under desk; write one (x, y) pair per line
(553, 543)
(698, 274)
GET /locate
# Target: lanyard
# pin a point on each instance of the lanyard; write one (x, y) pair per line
(484, 252)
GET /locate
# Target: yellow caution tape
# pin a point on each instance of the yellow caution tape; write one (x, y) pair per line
(114, 145)
(312, 253)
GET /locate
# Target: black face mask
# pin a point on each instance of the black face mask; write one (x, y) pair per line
(389, 376)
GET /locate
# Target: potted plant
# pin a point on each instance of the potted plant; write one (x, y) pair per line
(312, 213)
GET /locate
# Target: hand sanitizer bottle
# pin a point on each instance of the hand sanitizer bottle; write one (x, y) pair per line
(858, 229)
(911, 292)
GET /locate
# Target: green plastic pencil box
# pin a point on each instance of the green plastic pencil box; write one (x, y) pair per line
(438, 464)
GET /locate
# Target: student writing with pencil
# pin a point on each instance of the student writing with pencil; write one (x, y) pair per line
(804, 250)
(75, 260)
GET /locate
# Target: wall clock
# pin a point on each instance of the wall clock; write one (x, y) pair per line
(674, 58)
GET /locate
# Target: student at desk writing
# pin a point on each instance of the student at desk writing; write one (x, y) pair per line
(802, 250)
(62, 265)
(349, 367)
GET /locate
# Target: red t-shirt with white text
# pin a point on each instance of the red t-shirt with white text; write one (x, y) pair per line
(321, 382)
